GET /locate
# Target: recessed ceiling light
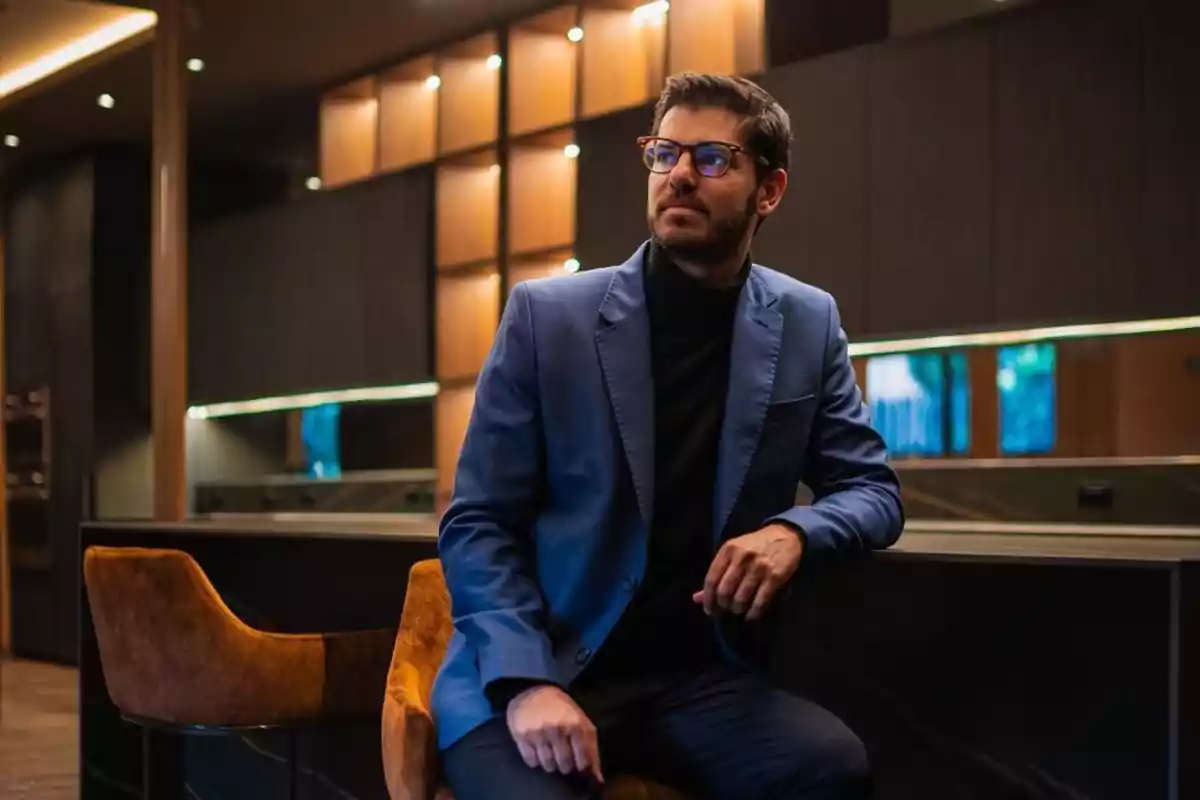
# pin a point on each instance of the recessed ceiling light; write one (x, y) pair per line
(313, 183)
(106, 100)
(571, 265)
(195, 64)
(433, 82)
(575, 34)
(493, 61)
(571, 151)
(11, 140)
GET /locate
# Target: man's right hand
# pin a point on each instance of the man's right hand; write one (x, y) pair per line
(553, 733)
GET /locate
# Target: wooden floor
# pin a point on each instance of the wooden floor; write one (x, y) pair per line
(38, 732)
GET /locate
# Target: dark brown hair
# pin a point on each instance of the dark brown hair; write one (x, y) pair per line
(767, 131)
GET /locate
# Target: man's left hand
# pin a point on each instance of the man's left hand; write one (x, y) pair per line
(749, 570)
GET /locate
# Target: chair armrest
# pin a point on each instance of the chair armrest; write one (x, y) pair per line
(409, 743)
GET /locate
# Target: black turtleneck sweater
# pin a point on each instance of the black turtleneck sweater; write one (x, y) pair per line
(664, 631)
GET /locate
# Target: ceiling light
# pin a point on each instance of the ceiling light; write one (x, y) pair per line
(195, 64)
(571, 151)
(571, 265)
(11, 140)
(493, 61)
(100, 39)
(313, 183)
(494, 169)
(106, 100)
(650, 13)
(433, 82)
(575, 34)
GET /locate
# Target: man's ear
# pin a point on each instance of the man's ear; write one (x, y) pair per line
(770, 192)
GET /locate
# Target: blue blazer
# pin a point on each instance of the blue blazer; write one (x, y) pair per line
(544, 540)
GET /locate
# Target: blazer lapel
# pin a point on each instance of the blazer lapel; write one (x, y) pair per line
(757, 331)
(623, 344)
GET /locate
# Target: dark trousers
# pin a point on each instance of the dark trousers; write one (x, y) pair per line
(722, 734)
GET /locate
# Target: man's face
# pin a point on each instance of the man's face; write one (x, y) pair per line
(700, 217)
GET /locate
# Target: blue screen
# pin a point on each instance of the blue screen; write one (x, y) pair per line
(1025, 379)
(322, 443)
(921, 402)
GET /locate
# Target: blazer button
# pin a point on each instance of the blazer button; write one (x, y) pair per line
(582, 655)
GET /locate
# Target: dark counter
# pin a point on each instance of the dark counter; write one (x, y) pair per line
(975, 665)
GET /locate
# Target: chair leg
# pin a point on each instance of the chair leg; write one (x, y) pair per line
(147, 759)
(293, 766)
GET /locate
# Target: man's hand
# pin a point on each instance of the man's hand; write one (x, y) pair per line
(748, 571)
(552, 732)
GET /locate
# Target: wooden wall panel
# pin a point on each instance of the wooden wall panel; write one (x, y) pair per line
(622, 63)
(326, 292)
(1068, 142)
(468, 311)
(802, 29)
(1086, 398)
(819, 232)
(985, 403)
(1169, 272)
(611, 212)
(452, 413)
(541, 198)
(470, 103)
(396, 291)
(467, 215)
(542, 75)
(1157, 410)
(931, 182)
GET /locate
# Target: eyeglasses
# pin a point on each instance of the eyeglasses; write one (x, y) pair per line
(710, 159)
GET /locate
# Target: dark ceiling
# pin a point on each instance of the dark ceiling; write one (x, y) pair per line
(266, 63)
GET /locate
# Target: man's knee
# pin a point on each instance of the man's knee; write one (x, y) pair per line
(838, 768)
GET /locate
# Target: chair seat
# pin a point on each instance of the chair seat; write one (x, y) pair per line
(623, 787)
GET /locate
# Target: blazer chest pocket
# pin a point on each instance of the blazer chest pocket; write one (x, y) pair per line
(785, 430)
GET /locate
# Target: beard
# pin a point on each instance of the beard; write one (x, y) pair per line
(724, 236)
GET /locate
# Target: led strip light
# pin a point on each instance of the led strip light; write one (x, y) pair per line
(417, 391)
(85, 46)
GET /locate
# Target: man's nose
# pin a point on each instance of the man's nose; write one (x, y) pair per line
(683, 174)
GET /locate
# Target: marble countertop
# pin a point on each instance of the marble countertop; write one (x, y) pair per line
(974, 542)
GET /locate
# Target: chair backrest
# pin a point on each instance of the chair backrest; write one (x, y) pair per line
(425, 625)
(160, 625)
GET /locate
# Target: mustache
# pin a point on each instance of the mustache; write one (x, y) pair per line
(675, 201)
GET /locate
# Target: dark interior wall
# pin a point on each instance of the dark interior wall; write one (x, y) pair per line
(325, 292)
(48, 313)
(1034, 167)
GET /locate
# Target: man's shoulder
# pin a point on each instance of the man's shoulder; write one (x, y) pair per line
(588, 285)
(793, 289)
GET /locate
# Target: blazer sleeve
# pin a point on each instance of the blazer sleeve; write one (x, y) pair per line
(484, 538)
(856, 505)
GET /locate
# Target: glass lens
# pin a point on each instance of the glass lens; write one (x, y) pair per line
(711, 160)
(660, 155)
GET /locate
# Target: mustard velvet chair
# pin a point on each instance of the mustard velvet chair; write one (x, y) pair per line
(176, 659)
(410, 759)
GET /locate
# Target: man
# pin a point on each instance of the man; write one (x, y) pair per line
(623, 519)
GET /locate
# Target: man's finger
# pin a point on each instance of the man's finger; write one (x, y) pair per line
(735, 575)
(564, 758)
(545, 754)
(715, 571)
(762, 598)
(528, 753)
(587, 753)
(748, 589)
(580, 750)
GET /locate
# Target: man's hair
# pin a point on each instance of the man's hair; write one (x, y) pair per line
(767, 131)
